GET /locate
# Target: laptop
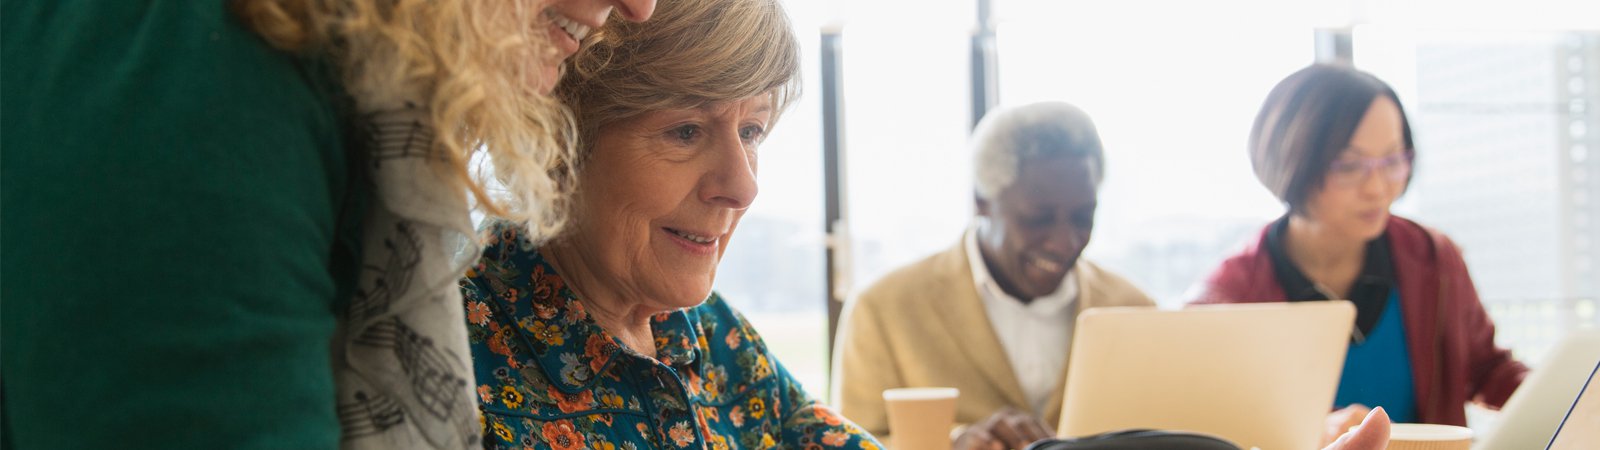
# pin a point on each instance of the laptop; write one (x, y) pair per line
(1535, 410)
(1581, 428)
(1260, 375)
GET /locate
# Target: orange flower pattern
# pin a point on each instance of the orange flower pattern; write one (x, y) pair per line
(551, 379)
(561, 435)
(581, 401)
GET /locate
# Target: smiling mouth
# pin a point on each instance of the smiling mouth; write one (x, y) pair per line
(574, 29)
(1046, 265)
(695, 238)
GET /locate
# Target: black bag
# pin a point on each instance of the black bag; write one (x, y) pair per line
(1137, 440)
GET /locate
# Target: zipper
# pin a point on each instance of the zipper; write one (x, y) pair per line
(1434, 371)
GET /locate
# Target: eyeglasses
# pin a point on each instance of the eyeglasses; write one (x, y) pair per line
(1348, 173)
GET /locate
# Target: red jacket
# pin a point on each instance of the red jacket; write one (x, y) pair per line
(1451, 338)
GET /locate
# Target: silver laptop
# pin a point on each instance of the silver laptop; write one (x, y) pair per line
(1532, 414)
(1581, 428)
(1259, 375)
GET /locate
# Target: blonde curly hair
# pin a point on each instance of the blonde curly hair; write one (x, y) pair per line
(475, 66)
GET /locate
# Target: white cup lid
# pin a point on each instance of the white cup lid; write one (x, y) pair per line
(1428, 432)
(920, 393)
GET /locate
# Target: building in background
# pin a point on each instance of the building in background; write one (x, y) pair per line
(1505, 129)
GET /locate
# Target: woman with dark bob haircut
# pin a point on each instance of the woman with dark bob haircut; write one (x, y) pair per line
(1334, 145)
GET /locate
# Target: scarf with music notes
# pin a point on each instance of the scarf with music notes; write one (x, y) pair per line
(401, 365)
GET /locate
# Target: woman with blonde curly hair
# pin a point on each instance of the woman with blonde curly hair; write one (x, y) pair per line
(238, 224)
(609, 335)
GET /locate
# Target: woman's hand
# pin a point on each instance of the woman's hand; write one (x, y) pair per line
(1007, 429)
(1371, 434)
(1343, 420)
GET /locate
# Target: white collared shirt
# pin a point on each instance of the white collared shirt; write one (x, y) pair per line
(1036, 335)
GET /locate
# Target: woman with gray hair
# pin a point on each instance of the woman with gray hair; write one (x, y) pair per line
(608, 336)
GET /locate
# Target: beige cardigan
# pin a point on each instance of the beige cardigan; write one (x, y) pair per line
(924, 325)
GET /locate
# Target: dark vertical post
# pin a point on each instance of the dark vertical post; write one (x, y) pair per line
(833, 181)
(1333, 45)
(985, 66)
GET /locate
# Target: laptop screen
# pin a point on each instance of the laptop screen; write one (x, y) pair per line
(1581, 428)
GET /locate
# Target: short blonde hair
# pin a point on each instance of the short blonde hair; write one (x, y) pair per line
(473, 63)
(689, 54)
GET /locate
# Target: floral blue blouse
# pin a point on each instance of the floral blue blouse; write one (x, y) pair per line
(550, 378)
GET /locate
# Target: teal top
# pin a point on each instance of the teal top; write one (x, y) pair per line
(549, 378)
(180, 227)
(1377, 371)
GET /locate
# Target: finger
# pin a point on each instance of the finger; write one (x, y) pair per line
(1027, 430)
(1355, 414)
(1038, 430)
(1352, 417)
(1338, 422)
(976, 437)
(1372, 434)
(1005, 431)
(981, 439)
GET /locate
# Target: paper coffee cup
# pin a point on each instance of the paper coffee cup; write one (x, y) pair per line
(1420, 436)
(920, 418)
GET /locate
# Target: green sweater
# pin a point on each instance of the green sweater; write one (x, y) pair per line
(179, 227)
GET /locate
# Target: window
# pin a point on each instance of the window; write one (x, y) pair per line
(908, 185)
(773, 272)
(1173, 96)
(1510, 107)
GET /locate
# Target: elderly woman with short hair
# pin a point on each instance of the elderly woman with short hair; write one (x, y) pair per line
(609, 336)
